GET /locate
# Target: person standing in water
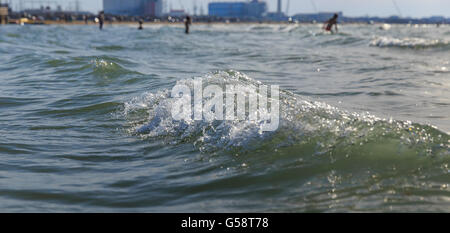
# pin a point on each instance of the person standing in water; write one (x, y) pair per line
(85, 19)
(328, 25)
(187, 23)
(140, 25)
(101, 19)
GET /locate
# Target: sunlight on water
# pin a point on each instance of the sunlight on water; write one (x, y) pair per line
(86, 119)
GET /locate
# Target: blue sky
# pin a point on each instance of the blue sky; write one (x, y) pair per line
(414, 8)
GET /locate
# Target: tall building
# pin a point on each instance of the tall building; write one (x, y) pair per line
(252, 9)
(279, 7)
(134, 7)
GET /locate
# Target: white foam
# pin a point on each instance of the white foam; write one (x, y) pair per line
(300, 120)
(406, 42)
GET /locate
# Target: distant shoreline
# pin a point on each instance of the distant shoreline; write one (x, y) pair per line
(90, 23)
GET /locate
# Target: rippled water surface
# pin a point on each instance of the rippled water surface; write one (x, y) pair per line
(364, 119)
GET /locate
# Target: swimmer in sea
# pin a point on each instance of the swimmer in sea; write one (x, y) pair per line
(140, 24)
(328, 25)
(187, 23)
(101, 19)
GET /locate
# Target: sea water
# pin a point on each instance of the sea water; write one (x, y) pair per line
(364, 119)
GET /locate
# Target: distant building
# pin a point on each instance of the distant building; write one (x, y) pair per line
(436, 19)
(253, 9)
(278, 15)
(177, 13)
(275, 16)
(317, 17)
(5, 9)
(279, 7)
(134, 7)
(4, 12)
(228, 9)
(256, 9)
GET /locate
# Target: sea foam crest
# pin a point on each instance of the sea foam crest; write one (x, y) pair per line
(302, 122)
(415, 43)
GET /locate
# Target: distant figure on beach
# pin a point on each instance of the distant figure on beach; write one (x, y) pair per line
(140, 25)
(85, 18)
(101, 19)
(187, 23)
(328, 25)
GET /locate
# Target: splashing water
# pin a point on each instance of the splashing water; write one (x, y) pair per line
(414, 43)
(301, 121)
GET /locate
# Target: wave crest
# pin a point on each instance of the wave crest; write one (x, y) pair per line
(306, 125)
(413, 43)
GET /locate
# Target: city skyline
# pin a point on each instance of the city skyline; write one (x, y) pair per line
(383, 8)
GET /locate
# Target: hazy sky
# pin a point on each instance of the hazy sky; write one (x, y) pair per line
(415, 8)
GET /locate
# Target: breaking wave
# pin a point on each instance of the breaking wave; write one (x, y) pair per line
(306, 125)
(412, 43)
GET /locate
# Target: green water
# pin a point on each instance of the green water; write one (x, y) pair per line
(364, 120)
